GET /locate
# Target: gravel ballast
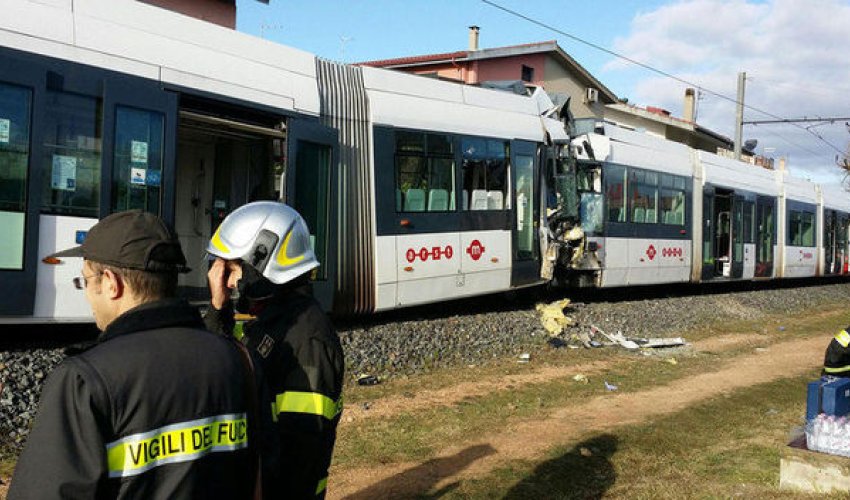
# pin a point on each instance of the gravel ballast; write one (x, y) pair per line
(472, 331)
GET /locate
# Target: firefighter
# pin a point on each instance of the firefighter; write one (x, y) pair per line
(837, 358)
(263, 253)
(157, 407)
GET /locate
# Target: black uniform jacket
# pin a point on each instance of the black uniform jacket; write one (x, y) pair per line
(155, 409)
(303, 363)
(837, 358)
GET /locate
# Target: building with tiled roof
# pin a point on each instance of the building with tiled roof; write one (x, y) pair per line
(546, 64)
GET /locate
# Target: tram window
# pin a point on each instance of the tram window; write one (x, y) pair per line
(795, 237)
(644, 189)
(615, 193)
(485, 174)
(14, 162)
(410, 142)
(138, 160)
(807, 229)
(749, 234)
(72, 150)
(425, 182)
(673, 207)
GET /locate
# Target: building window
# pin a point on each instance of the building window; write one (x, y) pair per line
(527, 73)
(425, 172)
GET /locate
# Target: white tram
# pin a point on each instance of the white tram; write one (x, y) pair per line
(665, 213)
(415, 190)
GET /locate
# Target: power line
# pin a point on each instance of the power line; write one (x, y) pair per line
(648, 67)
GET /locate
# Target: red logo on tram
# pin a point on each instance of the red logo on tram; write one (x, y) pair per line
(475, 250)
(435, 253)
(650, 252)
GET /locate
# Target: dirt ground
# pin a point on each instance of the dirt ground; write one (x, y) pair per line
(530, 440)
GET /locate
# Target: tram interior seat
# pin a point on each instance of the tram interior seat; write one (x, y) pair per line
(617, 214)
(639, 214)
(479, 199)
(438, 200)
(650, 215)
(414, 200)
(495, 200)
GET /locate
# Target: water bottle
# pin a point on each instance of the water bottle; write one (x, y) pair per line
(811, 434)
(829, 430)
(841, 436)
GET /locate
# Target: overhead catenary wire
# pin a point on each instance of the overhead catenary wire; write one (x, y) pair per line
(651, 68)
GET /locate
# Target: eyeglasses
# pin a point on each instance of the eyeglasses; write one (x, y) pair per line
(80, 282)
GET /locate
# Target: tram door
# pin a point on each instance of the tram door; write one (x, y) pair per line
(737, 269)
(526, 254)
(765, 236)
(221, 165)
(830, 249)
(19, 194)
(308, 186)
(708, 235)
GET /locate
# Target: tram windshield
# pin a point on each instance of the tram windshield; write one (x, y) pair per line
(589, 184)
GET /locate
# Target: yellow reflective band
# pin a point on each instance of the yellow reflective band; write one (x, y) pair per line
(216, 242)
(839, 369)
(174, 443)
(307, 402)
(843, 338)
(282, 258)
(323, 483)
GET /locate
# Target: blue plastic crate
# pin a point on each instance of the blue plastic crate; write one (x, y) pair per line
(828, 395)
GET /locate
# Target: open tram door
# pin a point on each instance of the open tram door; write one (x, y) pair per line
(308, 185)
(225, 159)
(765, 235)
(723, 234)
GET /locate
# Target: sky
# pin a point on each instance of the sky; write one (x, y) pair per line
(795, 53)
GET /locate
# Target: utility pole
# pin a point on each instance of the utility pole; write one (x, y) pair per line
(739, 115)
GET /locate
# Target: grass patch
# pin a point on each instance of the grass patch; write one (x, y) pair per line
(723, 448)
(417, 435)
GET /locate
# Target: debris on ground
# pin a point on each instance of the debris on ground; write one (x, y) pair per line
(580, 377)
(524, 358)
(659, 342)
(368, 380)
(553, 318)
(557, 343)
(618, 338)
(672, 361)
(585, 452)
(610, 387)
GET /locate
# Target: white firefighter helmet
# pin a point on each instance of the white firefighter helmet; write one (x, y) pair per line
(270, 236)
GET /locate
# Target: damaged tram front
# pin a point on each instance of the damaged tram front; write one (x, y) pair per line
(574, 215)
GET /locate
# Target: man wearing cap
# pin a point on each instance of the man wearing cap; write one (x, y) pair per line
(158, 407)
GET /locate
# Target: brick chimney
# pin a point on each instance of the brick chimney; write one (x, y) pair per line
(473, 38)
(689, 109)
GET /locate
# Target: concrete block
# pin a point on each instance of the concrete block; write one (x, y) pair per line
(806, 470)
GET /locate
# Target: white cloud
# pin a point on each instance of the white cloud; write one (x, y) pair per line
(796, 54)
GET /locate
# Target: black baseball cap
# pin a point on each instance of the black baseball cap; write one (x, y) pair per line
(133, 240)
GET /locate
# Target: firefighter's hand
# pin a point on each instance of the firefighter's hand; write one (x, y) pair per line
(217, 276)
